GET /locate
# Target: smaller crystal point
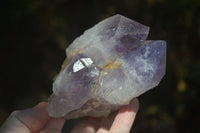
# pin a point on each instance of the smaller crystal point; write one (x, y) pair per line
(106, 67)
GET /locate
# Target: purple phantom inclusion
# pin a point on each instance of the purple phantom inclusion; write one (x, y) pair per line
(107, 66)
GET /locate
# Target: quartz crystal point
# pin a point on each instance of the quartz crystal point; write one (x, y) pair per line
(106, 67)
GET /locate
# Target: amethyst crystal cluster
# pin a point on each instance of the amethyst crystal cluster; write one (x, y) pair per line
(106, 67)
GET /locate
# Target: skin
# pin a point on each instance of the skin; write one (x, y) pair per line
(36, 120)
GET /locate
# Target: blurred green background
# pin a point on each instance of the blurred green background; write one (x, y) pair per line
(35, 33)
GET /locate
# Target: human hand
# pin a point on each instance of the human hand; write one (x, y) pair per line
(32, 120)
(36, 119)
(117, 122)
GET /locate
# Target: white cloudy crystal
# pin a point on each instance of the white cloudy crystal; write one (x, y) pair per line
(107, 66)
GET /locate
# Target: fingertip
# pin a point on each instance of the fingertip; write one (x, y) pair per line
(34, 118)
(135, 101)
(87, 125)
(133, 106)
(125, 117)
(12, 124)
(41, 105)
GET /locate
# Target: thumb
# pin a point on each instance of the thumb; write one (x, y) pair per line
(26, 121)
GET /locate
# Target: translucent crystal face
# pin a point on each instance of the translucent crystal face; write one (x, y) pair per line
(107, 66)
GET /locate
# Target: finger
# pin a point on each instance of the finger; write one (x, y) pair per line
(26, 121)
(125, 118)
(12, 124)
(54, 125)
(106, 123)
(34, 118)
(87, 125)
